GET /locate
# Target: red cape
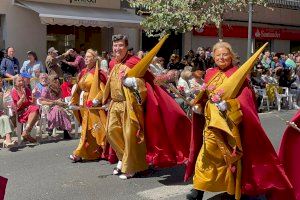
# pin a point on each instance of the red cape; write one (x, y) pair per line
(262, 172)
(3, 182)
(167, 128)
(288, 154)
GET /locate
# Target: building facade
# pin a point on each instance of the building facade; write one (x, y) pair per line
(39, 24)
(280, 26)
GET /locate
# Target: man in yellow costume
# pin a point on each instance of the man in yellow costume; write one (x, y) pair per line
(125, 125)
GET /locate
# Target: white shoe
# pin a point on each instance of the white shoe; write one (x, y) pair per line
(117, 170)
(126, 176)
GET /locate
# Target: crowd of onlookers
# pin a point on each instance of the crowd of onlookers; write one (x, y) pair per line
(36, 87)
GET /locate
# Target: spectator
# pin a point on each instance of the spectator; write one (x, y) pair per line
(52, 62)
(9, 64)
(183, 84)
(66, 87)
(26, 77)
(266, 60)
(104, 62)
(140, 54)
(27, 112)
(78, 63)
(32, 65)
(285, 78)
(175, 63)
(6, 126)
(43, 82)
(289, 62)
(57, 116)
(161, 62)
(155, 68)
(199, 62)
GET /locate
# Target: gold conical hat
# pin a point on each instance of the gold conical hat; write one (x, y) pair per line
(232, 85)
(95, 85)
(141, 67)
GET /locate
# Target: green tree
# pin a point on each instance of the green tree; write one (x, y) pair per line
(182, 15)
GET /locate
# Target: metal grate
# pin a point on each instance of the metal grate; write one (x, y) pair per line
(291, 4)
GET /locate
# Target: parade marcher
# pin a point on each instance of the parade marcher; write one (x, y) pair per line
(3, 182)
(229, 149)
(135, 135)
(288, 152)
(9, 64)
(88, 92)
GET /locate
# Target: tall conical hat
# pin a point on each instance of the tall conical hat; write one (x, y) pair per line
(141, 67)
(95, 85)
(233, 84)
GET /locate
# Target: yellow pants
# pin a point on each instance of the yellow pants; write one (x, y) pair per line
(121, 135)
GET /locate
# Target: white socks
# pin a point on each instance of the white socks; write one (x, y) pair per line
(119, 165)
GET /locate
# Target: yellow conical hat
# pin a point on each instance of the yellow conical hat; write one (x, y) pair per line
(233, 84)
(141, 67)
(95, 88)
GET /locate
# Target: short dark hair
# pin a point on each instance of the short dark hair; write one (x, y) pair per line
(33, 54)
(118, 37)
(76, 50)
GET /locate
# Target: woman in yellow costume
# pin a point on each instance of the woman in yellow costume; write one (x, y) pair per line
(87, 95)
(230, 151)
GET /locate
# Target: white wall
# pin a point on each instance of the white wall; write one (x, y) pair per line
(23, 30)
(133, 36)
(281, 46)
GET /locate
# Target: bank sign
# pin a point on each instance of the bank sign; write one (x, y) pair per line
(83, 1)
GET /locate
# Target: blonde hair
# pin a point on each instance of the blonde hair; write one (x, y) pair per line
(94, 54)
(227, 46)
(15, 78)
(186, 74)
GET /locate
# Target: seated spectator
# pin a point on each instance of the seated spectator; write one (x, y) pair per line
(156, 68)
(197, 79)
(26, 77)
(57, 116)
(67, 85)
(43, 82)
(27, 112)
(183, 84)
(5, 123)
(285, 78)
(32, 64)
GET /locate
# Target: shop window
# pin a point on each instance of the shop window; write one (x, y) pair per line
(295, 46)
(259, 43)
(82, 38)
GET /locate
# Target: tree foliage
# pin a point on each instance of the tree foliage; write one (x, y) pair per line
(182, 15)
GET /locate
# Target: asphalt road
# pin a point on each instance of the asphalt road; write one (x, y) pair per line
(44, 172)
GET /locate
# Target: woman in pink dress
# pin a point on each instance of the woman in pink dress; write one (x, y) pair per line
(27, 112)
(57, 116)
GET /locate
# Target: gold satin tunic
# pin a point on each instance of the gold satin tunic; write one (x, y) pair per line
(218, 166)
(125, 125)
(93, 139)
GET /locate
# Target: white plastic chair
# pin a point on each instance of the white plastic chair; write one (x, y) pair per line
(286, 96)
(73, 118)
(263, 93)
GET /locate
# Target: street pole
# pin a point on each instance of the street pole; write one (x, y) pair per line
(249, 48)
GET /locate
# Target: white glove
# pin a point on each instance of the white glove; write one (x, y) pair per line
(130, 82)
(196, 109)
(222, 106)
(96, 102)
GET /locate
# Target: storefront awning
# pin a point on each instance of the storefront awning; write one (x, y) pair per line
(54, 14)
